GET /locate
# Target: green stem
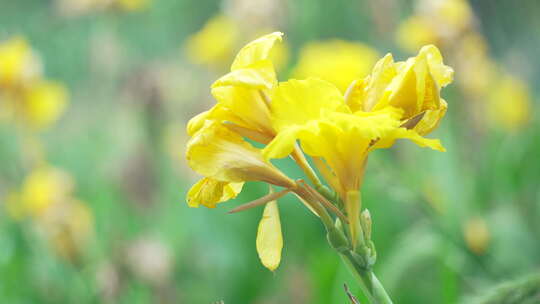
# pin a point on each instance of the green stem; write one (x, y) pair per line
(371, 286)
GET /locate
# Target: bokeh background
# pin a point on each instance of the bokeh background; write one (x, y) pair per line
(94, 99)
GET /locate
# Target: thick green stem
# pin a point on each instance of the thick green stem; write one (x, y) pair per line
(369, 283)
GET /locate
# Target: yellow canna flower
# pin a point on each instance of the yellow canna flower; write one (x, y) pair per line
(339, 62)
(242, 94)
(314, 112)
(18, 64)
(215, 43)
(412, 86)
(510, 104)
(269, 238)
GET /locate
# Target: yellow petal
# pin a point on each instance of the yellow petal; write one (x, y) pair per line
(336, 61)
(209, 192)
(431, 119)
(296, 102)
(269, 238)
(256, 50)
(259, 75)
(442, 74)
(388, 140)
(243, 106)
(217, 152)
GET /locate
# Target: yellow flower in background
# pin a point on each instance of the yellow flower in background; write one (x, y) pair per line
(339, 62)
(46, 198)
(18, 64)
(215, 43)
(43, 103)
(412, 86)
(26, 97)
(42, 189)
(510, 104)
(415, 32)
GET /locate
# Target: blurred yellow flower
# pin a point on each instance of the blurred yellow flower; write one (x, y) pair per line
(18, 64)
(510, 104)
(44, 102)
(415, 32)
(215, 43)
(43, 188)
(339, 62)
(476, 234)
(46, 198)
(435, 22)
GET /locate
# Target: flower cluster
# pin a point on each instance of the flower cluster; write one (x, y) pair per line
(26, 97)
(398, 100)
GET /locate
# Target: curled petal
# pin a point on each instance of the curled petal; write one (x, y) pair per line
(217, 152)
(209, 192)
(256, 50)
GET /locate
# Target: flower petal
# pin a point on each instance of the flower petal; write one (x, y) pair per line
(256, 50)
(209, 192)
(217, 152)
(269, 238)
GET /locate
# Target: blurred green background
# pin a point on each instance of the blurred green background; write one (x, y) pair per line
(449, 227)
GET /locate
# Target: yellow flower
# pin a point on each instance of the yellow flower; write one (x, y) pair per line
(339, 62)
(314, 112)
(412, 86)
(242, 94)
(510, 104)
(269, 238)
(227, 160)
(43, 103)
(42, 189)
(215, 43)
(415, 32)
(18, 64)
